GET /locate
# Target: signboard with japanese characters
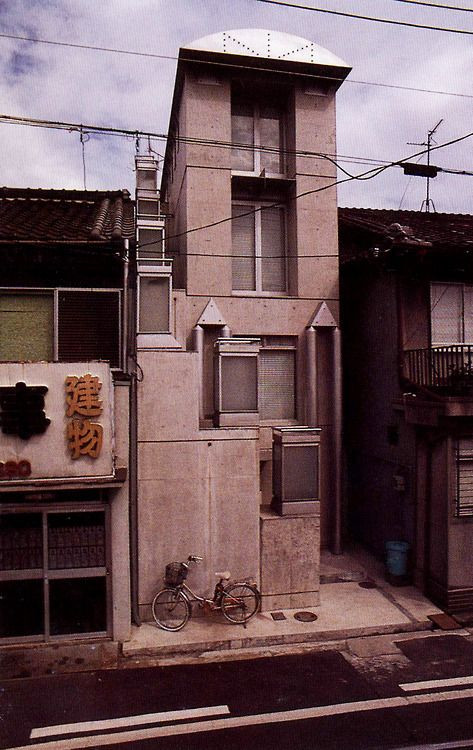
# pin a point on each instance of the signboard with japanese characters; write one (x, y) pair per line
(56, 421)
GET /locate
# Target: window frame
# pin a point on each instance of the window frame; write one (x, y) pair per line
(258, 206)
(256, 104)
(54, 292)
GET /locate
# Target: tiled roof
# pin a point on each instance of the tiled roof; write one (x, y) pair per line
(411, 227)
(36, 215)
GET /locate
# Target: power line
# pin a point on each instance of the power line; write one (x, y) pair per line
(374, 19)
(442, 6)
(85, 128)
(332, 79)
(368, 175)
(335, 159)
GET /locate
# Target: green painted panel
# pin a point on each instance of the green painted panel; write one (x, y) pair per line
(26, 327)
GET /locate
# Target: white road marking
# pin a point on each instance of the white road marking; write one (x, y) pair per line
(427, 684)
(97, 740)
(128, 721)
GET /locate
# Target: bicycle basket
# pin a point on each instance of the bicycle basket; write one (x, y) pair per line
(176, 573)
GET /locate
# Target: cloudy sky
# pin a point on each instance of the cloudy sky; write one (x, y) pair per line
(377, 113)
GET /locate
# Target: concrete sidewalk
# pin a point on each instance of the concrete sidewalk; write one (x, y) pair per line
(356, 600)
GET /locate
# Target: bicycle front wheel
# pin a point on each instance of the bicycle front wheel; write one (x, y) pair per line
(240, 602)
(171, 610)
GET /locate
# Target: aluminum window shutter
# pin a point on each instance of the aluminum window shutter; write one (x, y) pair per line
(465, 477)
(277, 384)
(243, 249)
(89, 326)
(273, 260)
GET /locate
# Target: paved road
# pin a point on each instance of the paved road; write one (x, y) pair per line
(420, 693)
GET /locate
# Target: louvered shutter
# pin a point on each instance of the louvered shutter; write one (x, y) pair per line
(277, 384)
(465, 477)
(446, 313)
(89, 326)
(273, 252)
(243, 248)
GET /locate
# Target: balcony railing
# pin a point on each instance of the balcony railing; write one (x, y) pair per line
(446, 368)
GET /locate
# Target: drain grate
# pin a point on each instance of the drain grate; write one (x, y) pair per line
(305, 616)
(278, 615)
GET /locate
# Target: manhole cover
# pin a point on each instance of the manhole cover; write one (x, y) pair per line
(367, 585)
(305, 616)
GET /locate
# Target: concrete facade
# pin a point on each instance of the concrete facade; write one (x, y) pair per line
(206, 489)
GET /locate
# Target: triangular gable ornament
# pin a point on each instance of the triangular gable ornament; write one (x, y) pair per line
(323, 317)
(211, 315)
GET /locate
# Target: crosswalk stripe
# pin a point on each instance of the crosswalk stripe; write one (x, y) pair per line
(128, 721)
(212, 725)
(427, 684)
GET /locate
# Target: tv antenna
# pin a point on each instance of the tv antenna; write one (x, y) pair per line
(428, 170)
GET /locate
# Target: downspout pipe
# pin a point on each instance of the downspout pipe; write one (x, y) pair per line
(129, 347)
(337, 438)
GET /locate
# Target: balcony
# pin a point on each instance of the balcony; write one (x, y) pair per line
(446, 369)
(442, 380)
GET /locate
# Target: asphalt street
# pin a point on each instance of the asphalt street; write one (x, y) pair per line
(419, 694)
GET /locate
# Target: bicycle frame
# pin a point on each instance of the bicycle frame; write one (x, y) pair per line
(214, 603)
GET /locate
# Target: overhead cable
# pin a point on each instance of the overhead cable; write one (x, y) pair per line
(373, 19)
(332, 79)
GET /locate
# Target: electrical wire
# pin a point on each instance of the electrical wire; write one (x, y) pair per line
(86, 128)
(441, 6)
(374, 19)
(122, 132)
(314, 76)
(368, 175)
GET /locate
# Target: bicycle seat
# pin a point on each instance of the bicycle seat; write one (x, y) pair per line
(224, 574)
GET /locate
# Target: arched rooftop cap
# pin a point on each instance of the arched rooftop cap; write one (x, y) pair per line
(272, 45)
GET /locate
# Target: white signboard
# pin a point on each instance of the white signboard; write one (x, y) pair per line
(56, 421)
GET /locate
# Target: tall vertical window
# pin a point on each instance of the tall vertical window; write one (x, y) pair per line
(258, 248)
(451, 313)
(258, 137)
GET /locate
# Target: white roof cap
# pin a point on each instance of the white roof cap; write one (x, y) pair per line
(275, 45)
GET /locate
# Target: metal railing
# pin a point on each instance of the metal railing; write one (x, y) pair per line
(449, 368)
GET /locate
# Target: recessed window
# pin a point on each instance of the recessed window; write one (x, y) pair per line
(258, 247)
(258, 137)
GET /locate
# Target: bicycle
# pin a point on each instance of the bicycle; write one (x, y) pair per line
(172, 606)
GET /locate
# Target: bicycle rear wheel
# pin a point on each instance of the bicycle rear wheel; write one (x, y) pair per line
(240, 602)
(171, 610)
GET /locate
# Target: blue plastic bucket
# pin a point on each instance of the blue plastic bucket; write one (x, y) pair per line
(396, 558)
